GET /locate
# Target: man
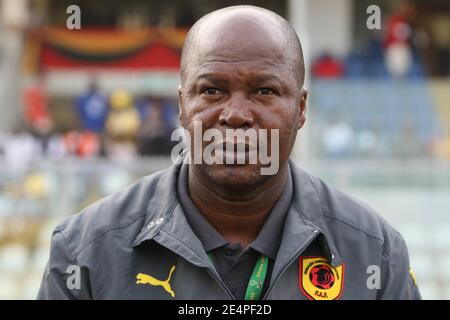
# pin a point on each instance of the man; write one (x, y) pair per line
(92, 109)
(226, 231)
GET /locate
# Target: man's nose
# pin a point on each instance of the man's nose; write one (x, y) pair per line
(236, 116)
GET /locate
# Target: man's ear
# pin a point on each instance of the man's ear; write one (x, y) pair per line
(302, 116)
(180, 103)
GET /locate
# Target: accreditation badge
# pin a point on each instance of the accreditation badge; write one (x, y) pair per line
(318, 280)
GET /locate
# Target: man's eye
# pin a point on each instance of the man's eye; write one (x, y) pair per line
(211, 91)
(265, 91)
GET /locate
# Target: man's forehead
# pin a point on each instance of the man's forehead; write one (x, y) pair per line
(254, 76)
(234, 53)
(239, 36)
(250, 69)
(215, 58)
(220, 68)
(238, 52)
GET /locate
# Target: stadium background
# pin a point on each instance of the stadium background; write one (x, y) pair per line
(87, 112)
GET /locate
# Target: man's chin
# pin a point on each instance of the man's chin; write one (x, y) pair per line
(235, 177)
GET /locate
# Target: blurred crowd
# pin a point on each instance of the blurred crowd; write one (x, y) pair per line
(117, 126)
(397, 51)
(374, 102)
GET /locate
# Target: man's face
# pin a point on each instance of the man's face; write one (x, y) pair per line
(240, 78)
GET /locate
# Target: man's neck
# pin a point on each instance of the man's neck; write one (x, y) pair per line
(237, 217)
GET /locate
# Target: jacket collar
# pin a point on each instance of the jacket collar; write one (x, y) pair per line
(166, 223)
(161, 204)
(309, 205)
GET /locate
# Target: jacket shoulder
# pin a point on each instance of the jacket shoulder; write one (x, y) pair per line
(344, 211)
(361, 234)
(127, 208)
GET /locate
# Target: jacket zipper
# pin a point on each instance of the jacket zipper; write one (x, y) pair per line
(220, 282)
(291, 259)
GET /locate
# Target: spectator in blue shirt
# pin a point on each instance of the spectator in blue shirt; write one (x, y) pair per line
(92, 109)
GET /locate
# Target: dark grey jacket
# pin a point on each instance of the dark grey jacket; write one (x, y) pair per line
(137, 244)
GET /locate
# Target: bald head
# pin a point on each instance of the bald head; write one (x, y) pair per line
(244, 32)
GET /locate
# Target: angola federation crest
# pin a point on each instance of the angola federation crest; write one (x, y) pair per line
(319, 280)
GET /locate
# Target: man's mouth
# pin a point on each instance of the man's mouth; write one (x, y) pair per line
(235, 152)
(235, 147)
